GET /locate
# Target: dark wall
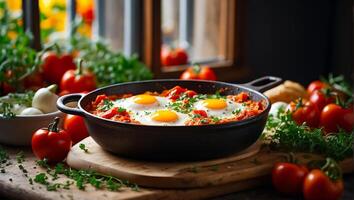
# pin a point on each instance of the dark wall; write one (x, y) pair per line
(298, 39)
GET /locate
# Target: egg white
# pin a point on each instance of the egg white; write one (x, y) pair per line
(223, 113)
(130, 105)
(145, 117)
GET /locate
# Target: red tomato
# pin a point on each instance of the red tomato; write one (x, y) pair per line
(78, 81)
(320, 99)
(75, 126)
(316, 85)
(197, 72)
(52, 143)
(175, 92)
(334, 117)
(202, 113)
(288, 177)
(171, 57)
(34, 81)
(100, 98)
(317, 186)
(307, 112)
(54, 66)
(6, 88)
(190, 93)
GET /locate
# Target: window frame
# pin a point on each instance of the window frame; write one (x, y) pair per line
(230, 69)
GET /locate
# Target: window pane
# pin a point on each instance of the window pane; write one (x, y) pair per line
(14, 8)
(195, 26)
(85, 10)
(54, 18)
(114, 23)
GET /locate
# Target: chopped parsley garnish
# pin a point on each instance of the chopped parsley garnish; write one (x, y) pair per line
(80, 178)
(236, 112)
(20, 157)
(82, 146)
(120, 109)
(107, 104)
(215, 119)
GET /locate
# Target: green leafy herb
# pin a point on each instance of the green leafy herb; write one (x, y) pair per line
(236, 112)
(284, 134)
(120, 109)
(339, 83)
(6, 110)
(107, 104)
(20, 157)
(83, 147)
(80, 178)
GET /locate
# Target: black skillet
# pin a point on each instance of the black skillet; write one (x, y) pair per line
(173, 142)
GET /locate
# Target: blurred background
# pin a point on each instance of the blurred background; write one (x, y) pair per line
(241, 40)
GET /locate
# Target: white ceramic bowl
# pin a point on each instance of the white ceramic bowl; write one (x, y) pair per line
(18, 130)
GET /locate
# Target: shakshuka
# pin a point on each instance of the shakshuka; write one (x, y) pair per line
(176, 107)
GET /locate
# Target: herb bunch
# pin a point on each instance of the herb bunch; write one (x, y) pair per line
(282, 133)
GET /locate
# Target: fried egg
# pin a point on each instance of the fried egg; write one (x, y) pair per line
(221, 108)
(142, 102)
(163, 117)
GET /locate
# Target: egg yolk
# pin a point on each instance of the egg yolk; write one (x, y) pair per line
(144, 99)
(214, 103)
(165, 116)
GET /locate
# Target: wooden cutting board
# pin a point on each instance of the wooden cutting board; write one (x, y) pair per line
(250, 164)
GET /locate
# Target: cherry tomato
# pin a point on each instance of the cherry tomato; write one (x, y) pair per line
(171, 57)
(288, 177)
(78, 81)
(75, 127)
(320, 99)
(317, 186)
(198, 72)
(54, 66)
(51, 143)
(334, 117)
(316, 85)
(307, 112)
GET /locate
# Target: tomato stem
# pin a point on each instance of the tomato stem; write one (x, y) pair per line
(196, 68)
(53, 127)
(79, 67)
(331, 169)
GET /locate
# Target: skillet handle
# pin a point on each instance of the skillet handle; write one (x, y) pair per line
(67, 99)
(264, 83)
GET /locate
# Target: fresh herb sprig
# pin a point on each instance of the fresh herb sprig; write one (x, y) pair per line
(283, 133)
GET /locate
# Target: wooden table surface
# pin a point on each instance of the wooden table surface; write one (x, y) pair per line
(15, 185)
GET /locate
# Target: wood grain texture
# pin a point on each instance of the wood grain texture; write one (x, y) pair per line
(250, 164)
(14, 184)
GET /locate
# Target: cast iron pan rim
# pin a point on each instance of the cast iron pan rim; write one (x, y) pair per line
(216, 126)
